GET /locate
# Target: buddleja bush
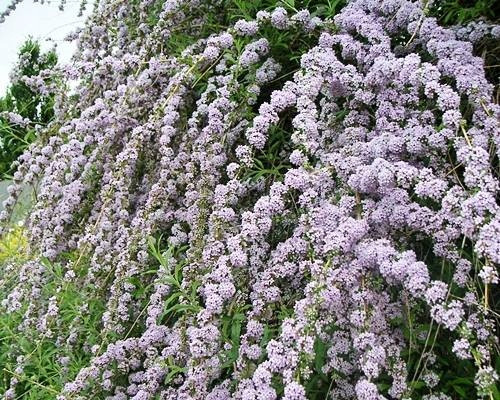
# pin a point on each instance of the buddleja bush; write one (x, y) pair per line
(297, 206)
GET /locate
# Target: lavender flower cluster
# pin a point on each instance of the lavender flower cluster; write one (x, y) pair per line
(393, 142)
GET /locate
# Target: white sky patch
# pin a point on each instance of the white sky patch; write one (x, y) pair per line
(42, 22)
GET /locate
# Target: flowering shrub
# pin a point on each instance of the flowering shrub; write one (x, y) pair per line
(25, 108)
(229, 219)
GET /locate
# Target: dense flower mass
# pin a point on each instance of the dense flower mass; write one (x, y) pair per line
(252, 229)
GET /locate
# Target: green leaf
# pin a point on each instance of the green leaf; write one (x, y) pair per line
(417, 385)
(174, 370)
(320, 354)
(460, 391)
(236, 328)
(182, 307)
(171, 281)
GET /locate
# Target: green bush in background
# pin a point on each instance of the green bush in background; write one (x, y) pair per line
(23, 100)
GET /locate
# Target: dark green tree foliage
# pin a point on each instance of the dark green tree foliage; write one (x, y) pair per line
(451, 12)
(27, 102)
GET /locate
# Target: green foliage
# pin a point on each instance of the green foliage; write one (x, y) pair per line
(452, 12)
(22, 100)
(80, 312)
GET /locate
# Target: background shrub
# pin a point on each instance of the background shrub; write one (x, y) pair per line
(24, 106)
